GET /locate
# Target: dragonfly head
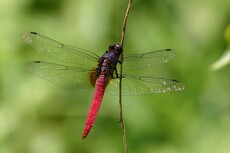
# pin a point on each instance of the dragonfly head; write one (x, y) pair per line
(117, 48)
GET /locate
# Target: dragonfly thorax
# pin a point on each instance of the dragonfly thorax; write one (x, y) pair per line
(109, 60)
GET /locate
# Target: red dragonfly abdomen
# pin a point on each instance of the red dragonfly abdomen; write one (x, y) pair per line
(96, 103)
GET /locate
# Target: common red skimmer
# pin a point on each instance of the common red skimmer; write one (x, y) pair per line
(84, 70)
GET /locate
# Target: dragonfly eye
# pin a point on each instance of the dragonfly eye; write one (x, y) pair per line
(111, 47)
(118, 48)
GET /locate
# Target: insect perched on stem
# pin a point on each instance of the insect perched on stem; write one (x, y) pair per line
(84, 70)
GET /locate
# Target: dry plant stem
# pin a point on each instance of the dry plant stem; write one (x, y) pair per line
(120, 85)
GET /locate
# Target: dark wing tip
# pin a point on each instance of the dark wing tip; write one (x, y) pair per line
(168, 49)
(33, 32)
(36, 61)
(175, 80)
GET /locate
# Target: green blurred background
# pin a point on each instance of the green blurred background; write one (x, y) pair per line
(39, 117)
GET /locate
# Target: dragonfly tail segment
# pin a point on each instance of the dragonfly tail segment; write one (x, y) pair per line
(95, 105)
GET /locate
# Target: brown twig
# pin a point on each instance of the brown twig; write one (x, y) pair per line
(120, 85)
(124, 23)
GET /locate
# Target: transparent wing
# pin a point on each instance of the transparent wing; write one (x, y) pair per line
(141, 85)
(142, 61)
(62, 75)
(59, 51)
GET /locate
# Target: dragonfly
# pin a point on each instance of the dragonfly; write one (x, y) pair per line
(84, 70)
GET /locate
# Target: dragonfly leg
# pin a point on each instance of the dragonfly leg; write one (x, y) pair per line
(116, 72)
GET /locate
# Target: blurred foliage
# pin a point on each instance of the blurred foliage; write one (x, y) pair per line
(225, 58)
(227, 34)
(38, 117)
